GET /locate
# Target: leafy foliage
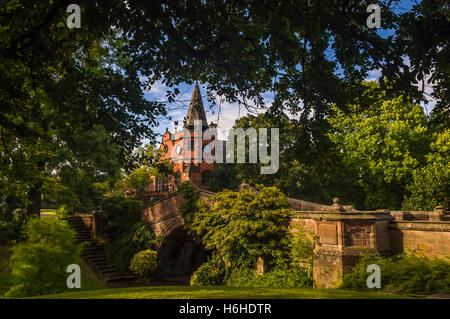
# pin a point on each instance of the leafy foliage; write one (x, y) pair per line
(243, 226)
(430, 186)
(380, 147)
(11, 226)
(302, 148)
(126, 233)
(153, 165)
(144, 263)
(302, 247)
(190, 206)
(119, 214)
(38, 266)
(224, 176)
(411, 273)
(210, 273)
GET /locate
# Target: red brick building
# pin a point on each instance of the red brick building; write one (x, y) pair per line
(180, 151)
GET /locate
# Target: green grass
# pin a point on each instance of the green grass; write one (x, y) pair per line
(48, 211)
(186, 292)
(4, 269)
(89, 280)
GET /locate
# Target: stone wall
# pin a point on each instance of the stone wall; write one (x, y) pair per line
(431, 238)
(342, 237)
(162, 215)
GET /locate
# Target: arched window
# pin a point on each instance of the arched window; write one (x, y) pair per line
(206, 176)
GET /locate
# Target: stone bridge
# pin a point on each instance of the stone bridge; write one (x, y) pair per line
(163, 215)
(341, 235)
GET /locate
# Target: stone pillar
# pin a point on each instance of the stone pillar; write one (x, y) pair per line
(342, 237)
(437, 214)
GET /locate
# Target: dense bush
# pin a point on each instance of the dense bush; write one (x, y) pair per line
(241, 227)
(126, 233)
(144, 263)
(410, 273)
(430, 186)
(119, 214)
(138, 237)
(38, 266)
(244, 226)
(210, 273)
(11, 225)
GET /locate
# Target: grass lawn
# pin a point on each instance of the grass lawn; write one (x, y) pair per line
(48, 211)
(217, 292)
(89, 280)
(4, 269)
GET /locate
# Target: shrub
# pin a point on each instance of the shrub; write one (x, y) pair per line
(144, 263)
(38, 266)
(410, 273)
(119, 214)
(138, 237)
(11, 225)
(302, 247)
(209, 273)
(243, 226)
(63, 212)
(190, 205)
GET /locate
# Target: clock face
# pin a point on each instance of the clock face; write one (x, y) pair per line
(207, 149)
(178, 149)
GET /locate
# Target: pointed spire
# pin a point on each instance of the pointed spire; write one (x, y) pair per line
(196, 110)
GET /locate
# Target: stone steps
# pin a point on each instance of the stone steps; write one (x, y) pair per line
(94, 255)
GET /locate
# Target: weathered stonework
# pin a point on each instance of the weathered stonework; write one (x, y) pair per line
(344, 236)
(341, 236)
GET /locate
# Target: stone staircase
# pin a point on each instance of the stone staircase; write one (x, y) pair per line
(94, 255)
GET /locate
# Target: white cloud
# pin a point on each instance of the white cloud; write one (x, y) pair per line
(374, 75)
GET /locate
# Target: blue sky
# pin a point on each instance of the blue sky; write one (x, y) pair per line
(229, 112)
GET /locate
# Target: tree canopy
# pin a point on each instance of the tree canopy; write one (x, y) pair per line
(58, 83)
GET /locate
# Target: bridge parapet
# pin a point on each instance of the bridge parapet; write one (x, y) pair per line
(342, 237)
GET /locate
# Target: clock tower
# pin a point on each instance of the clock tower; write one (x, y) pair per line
(179, 148)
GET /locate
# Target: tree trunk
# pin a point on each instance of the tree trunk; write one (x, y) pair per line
(34, 196)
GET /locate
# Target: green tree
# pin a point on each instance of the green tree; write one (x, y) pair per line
(243, 226)
(430, 186)
(79, 79)
(224, 176)
(379, 148)
(138, 180)
(300, 154)
(38, 266)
